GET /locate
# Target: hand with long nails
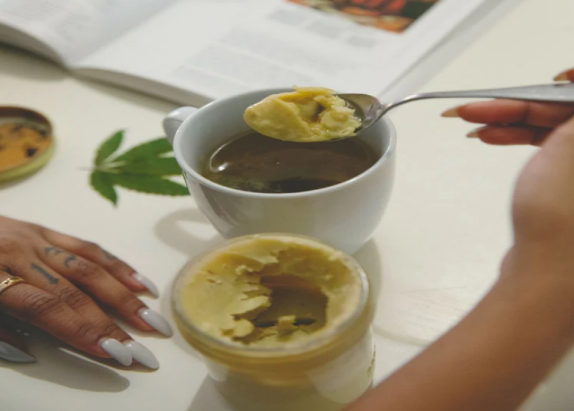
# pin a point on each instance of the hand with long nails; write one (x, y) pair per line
(509, 122)
(65, 281)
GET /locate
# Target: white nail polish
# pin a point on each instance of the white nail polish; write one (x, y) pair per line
(118, 352)
(10, 353)
(156, 321)
(142, 354)
(147, 283)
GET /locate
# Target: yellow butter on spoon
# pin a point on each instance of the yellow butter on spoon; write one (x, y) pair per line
(305, 115)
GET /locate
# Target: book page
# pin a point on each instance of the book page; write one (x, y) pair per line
(216, 48)
(76, 28)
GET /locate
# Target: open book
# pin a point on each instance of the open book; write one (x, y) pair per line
(194, 51)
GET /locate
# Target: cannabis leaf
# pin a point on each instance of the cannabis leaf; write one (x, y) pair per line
(109, 147)
(150, 185)
(147, 150)
(143, 168)
(162, 166)
(103, 184)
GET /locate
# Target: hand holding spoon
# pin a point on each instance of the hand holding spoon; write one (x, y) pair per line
(369, 109)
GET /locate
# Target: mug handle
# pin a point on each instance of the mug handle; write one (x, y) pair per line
(174, 120)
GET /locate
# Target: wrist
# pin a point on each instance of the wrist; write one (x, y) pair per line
(540, 262)
(541, 282)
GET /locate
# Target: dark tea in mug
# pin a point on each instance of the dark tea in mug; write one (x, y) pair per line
(253, 162)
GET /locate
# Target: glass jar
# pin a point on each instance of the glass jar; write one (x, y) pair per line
(328, 370)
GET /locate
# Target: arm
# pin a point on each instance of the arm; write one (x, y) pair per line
(495, 357)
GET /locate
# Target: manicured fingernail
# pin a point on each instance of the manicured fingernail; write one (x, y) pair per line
(453, 112)
(473, 134)
(142, 354)
(10, 353)
(156, 321)
(562, 76)
(117, 350)
(147, 283)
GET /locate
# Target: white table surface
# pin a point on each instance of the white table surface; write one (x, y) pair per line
(436, 252)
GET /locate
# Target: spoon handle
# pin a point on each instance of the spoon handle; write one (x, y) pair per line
(556, 93)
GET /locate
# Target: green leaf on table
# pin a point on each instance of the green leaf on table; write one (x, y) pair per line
(103, 184)
(109, 147)
(158, 166)
(150, 184)
(144, 168)
(147, 150)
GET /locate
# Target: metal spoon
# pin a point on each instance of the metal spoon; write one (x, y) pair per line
(369, 109)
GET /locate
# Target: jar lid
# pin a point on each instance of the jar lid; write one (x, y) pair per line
(26, 142)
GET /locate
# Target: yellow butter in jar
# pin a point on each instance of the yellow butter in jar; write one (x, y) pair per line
(282, 322)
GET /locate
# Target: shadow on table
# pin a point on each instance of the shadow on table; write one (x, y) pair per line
(131, 96)
(28, 65)
(179, 230)
(57, 366)
(11, 183)
(208, 399)
(183, 231)
(20, 180)
(21, 63)
(369, 258)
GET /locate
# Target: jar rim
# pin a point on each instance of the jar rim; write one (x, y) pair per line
(228, 347)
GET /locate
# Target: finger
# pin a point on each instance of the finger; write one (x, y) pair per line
(514, 112)
(105, 288)
(41, 274)
(502, 136)
(12, 347)
(567, 75)
(92, 252)
(48, 312)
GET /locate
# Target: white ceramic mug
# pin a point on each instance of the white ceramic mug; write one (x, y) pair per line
(345, 215)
